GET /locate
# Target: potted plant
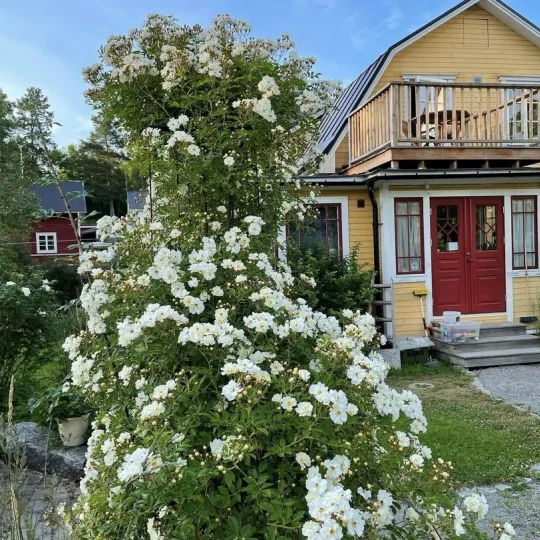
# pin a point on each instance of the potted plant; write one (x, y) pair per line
(68, 409)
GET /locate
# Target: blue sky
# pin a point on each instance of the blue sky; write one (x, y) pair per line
(47, 43)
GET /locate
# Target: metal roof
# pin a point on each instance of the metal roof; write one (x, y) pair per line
(334, 122)
(135, 199)
(49, 196)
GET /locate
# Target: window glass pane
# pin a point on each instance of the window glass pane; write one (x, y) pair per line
(402, 236)
(414, 236)
(528, 205)
(333, 236)
(321, 212)
(529, 233)
(416, 265)
(414, 208)
(332, 212)
(403, 266)
(401, 208)
(517, 225)
(517, 205)
(519, 261)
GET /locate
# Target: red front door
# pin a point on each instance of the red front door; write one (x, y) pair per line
(468, 255)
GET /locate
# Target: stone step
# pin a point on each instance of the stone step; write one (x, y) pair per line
(502, 329)
(495, 343)
(491, 358)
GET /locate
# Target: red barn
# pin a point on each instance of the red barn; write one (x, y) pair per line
(53, 236)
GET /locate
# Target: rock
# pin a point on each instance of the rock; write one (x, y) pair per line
(392, 357)
(65, 462)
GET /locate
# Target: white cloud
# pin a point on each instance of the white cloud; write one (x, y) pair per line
(84, 124)
(318, 4)
(394, 16)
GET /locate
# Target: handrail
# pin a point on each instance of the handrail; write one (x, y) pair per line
(445, 114)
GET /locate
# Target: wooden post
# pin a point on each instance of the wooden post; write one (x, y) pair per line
(394, 116)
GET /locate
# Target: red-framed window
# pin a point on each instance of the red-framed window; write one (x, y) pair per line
(409, 236)
(524, 233)
(322, 227)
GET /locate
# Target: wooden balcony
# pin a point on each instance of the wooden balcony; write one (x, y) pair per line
(419, 125)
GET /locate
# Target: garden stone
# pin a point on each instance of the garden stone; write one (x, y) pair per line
(392, 357)
(65, 462)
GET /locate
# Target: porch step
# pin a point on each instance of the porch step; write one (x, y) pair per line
(492, 358)
(500, 344)
(495, 343)
(501, 329)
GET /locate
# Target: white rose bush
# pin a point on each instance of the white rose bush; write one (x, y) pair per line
(227, 407)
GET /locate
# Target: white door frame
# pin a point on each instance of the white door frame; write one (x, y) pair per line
(424, 192)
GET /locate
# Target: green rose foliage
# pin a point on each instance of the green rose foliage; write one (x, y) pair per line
(28, 327)
(226, 406)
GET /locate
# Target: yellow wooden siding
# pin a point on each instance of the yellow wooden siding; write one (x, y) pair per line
(456, 48)
(407, 309)
(342, 153)
(526, 296)
(360, 222)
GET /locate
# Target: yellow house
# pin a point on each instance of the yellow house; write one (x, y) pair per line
(429, 165)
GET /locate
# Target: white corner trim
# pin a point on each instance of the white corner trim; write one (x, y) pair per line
(344, 202)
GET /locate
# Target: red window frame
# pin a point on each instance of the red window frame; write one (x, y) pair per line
(338, 220)
(532, 198)
(420, 214)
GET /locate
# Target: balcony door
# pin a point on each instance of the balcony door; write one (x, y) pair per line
(467, 237)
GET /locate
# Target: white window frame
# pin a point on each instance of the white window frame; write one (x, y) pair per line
(344, 225)
(46, 235)
(526, 80)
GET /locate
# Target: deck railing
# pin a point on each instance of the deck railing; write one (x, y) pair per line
(445, 115)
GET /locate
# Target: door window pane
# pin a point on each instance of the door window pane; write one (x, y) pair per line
(447, 228)
(486, 227)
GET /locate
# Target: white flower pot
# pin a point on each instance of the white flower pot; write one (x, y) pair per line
(73, 430)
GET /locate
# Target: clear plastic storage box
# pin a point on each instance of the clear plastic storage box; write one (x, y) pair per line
(461, 332)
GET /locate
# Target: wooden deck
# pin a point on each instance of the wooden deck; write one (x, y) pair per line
(414, 125)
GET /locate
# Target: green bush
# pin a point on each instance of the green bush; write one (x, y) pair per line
(341, 283)
(29, 330)
(66, 281)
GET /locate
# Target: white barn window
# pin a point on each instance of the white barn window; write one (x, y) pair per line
(46, 243)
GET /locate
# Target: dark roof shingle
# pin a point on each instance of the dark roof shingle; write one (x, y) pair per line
(50, 199)
(135, 199)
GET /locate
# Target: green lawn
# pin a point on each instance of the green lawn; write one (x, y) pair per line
(486, 440)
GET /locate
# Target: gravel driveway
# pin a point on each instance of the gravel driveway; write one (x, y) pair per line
(519, 385)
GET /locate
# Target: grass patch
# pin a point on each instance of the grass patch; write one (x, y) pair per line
(486, 440)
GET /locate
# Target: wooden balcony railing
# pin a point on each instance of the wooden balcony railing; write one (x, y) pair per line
(445, 115)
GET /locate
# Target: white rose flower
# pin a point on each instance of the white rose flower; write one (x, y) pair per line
(303, 460)
(231, 390)
(304, 408)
